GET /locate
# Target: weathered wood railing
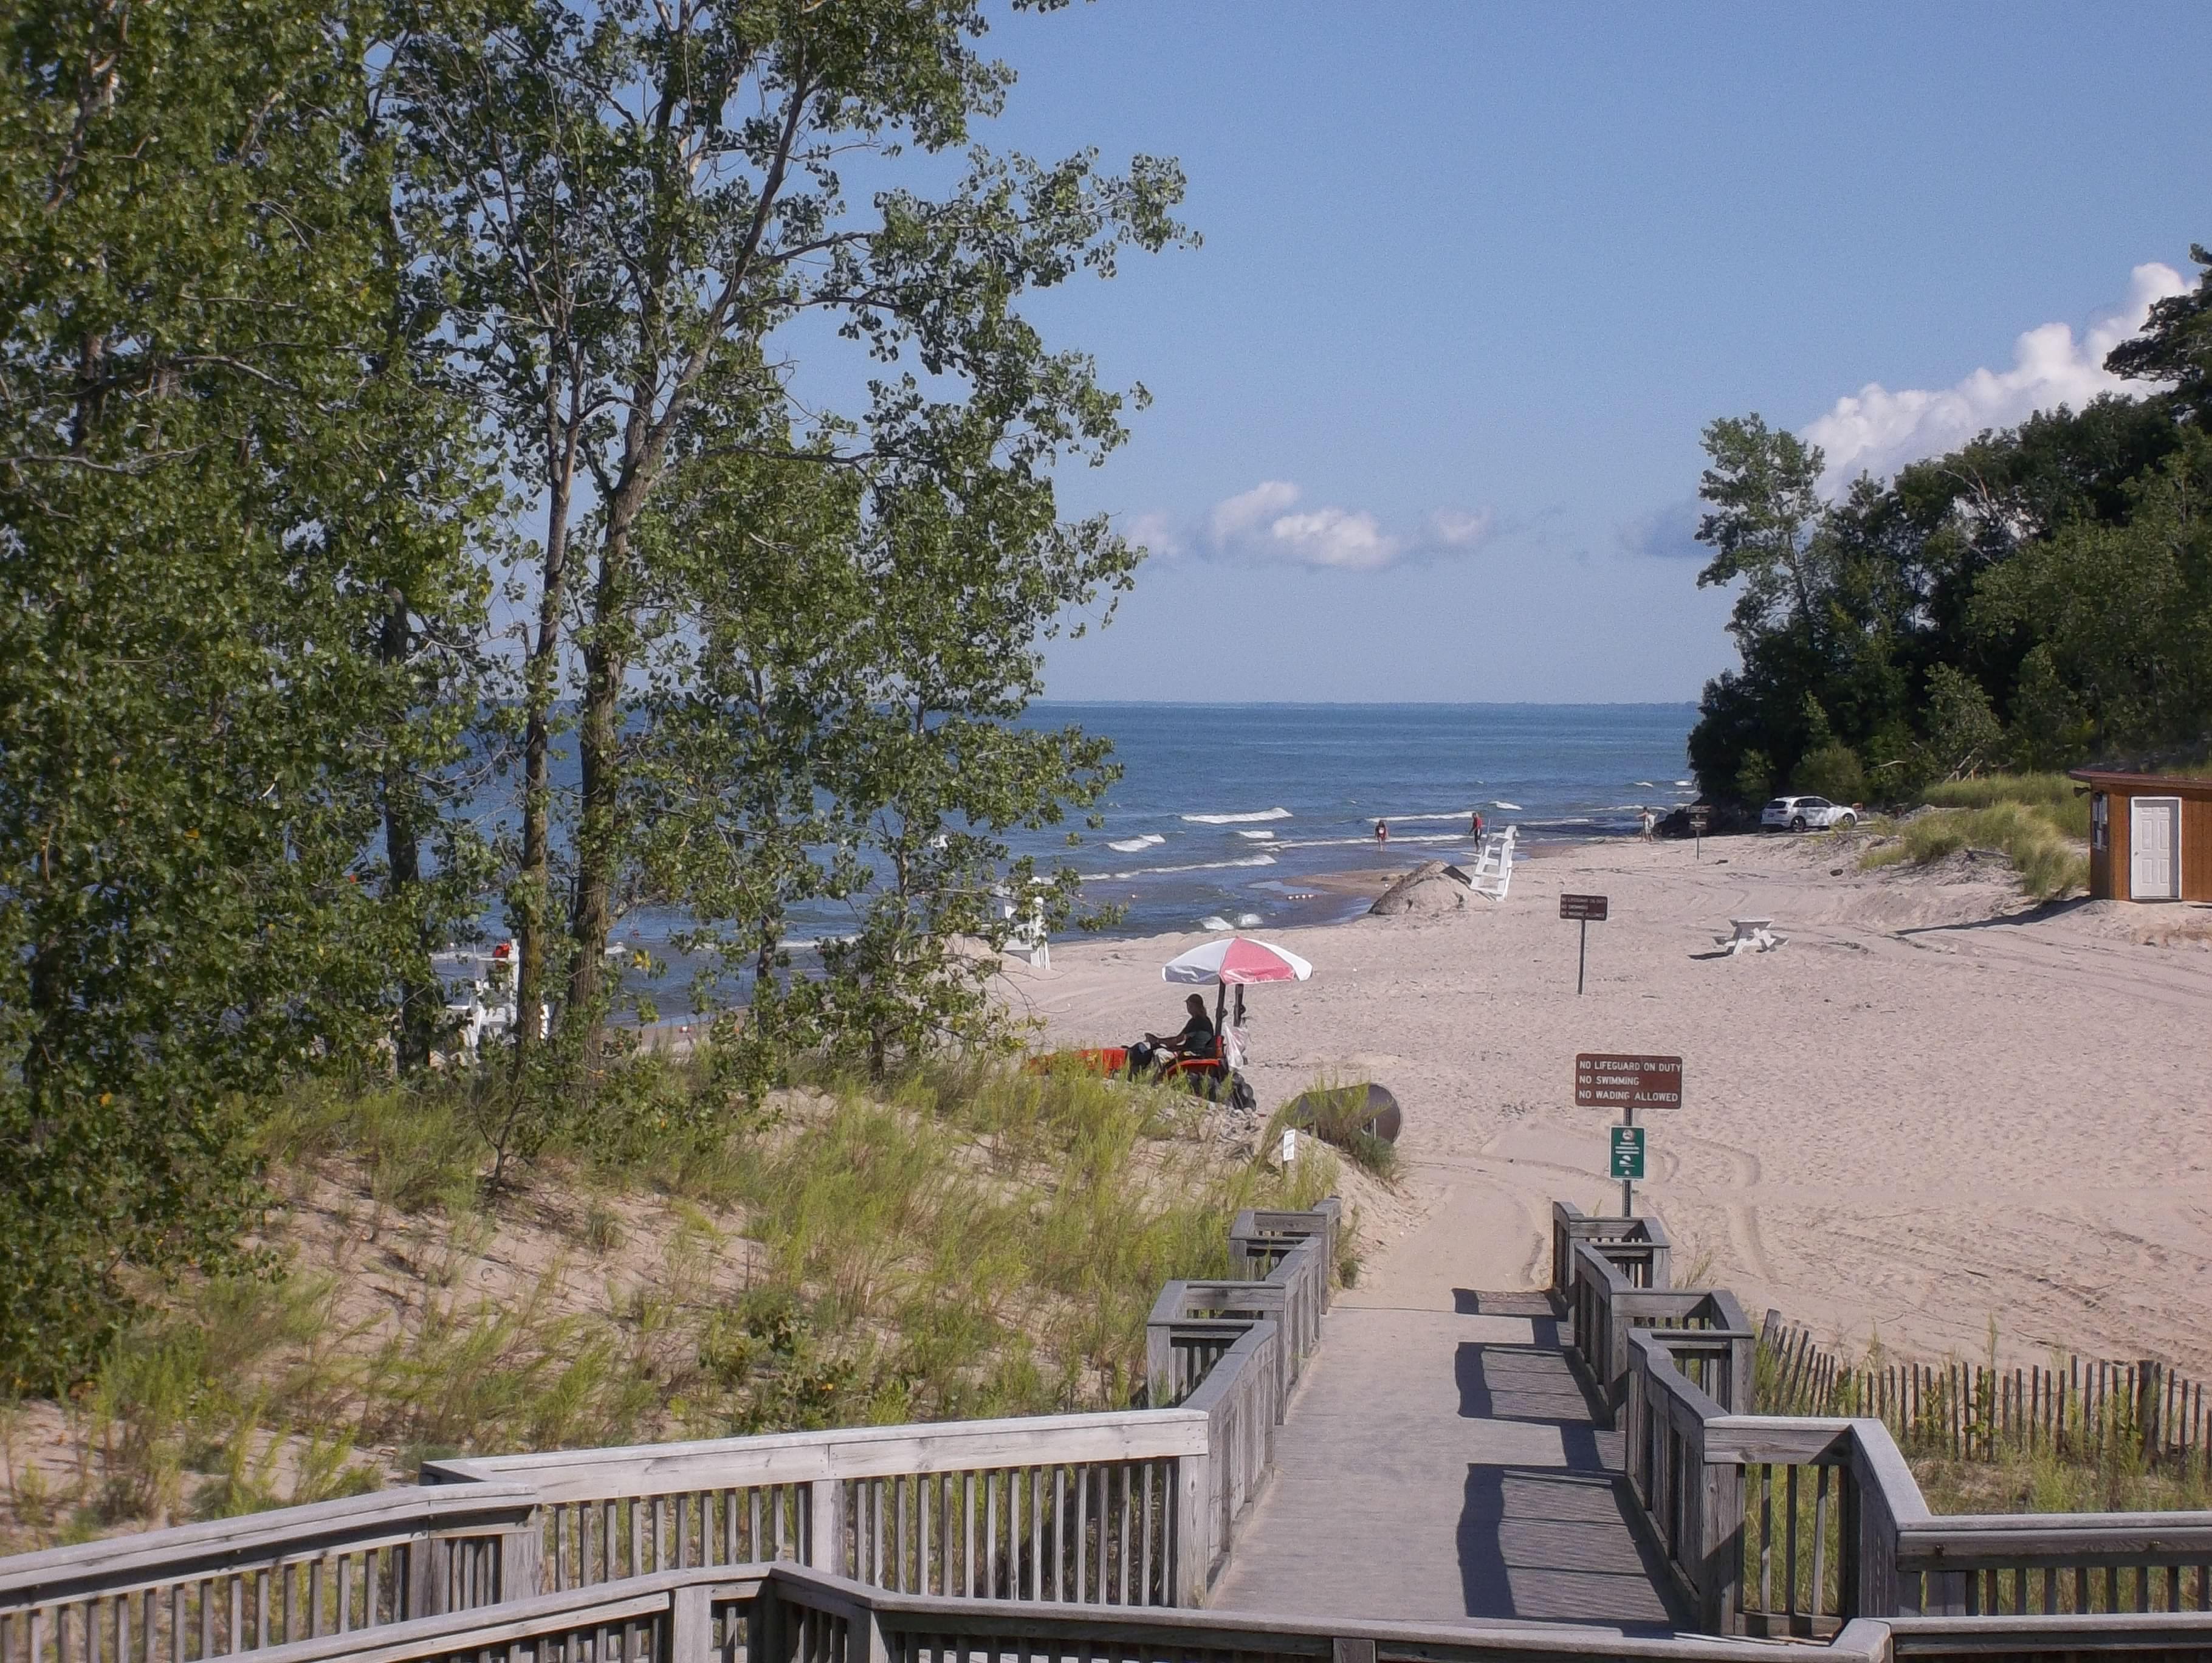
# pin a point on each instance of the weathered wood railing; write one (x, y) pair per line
(208, 1590)
(783, 1613)
(1090, 1509)
(1795, 1526)
(1131, 1508)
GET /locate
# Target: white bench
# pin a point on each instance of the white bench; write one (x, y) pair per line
(1749, 933)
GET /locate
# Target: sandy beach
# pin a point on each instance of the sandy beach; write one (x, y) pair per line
(1937, 1116)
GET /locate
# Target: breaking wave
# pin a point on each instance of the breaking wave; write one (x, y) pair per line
(1237, 820)
(1194, 866)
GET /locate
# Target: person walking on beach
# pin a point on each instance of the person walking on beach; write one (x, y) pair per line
(1649, 819)
(1474, 824)
(1381, 834)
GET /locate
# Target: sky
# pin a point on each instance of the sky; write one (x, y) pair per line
(1426, 402)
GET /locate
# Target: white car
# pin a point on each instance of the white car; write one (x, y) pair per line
(1806, 814)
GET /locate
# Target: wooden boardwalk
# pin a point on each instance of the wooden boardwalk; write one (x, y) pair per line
(1437, 1464)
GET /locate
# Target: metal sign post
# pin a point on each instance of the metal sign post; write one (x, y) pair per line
(1585, 909)
(1607, 1080)
(1700, 818)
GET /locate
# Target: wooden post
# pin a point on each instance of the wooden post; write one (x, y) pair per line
(425, 1592)
(1719, 1549)
(692, 1626)
(520, 1552)
(825, 1526)
(1193, 1552)
(2147, 1408)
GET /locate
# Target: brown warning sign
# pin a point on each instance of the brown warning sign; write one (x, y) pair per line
(1588, 908)
(1604, 1080)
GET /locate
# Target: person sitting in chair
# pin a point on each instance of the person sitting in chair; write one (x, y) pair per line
(1153, 1053)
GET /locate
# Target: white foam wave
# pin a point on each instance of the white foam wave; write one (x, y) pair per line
(1355, 843)
(1410, 820)
(1133, 845)
(1237, 820)
(1215, 920)
(1194, 866)
(1258, 837)
(1515, 807)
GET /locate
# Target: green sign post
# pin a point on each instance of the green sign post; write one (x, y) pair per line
(1627, 1152)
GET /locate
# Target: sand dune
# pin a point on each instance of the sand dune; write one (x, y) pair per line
(1937, 1113)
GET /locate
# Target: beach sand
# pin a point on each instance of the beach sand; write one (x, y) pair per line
(1938, 1115)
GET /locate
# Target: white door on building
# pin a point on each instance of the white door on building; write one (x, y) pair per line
(2155, 848)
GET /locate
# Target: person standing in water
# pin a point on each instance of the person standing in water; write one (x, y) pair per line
(1381, 834)
(1475, 824)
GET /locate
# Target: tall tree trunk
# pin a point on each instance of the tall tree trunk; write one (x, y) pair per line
(597, 830)
(528, 902)
(598, 735)
(419, 994)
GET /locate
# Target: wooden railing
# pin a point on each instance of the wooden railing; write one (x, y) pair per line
(1090, 1509)
(1131, 1508)
(1077, 1537)
(783, 1613)
(1798, 1526)
(231, 1585)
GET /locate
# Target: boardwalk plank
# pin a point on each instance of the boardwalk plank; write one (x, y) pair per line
(1443, 1465)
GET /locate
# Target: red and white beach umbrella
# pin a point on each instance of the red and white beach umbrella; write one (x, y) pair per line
(1235, 961)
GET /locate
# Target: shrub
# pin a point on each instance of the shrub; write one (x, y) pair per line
(1832, 771)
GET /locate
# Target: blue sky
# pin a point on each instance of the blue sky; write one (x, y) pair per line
(1426, 403)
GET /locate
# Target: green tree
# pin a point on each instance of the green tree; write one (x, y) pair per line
(837, 719)
(1763, 527)
(2121, 615)
(640, 213)
(205, 516)
(1965, 737)
(2175, 346)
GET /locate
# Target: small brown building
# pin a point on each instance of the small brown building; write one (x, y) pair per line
(2150, 836)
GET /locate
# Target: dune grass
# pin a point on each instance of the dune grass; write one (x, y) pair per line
(2035, 820)
(1335, 1111)
(2060, 800)
(967, 1242)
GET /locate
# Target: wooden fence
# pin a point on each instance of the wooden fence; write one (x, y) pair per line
(1078, 1538)
(2093, 1408)
(230, 1585)
(1131, 1508)
(1795, 1525)
(783, 1613)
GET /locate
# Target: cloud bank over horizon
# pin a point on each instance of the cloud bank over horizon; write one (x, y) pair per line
(1878, 431)
(1266, 523)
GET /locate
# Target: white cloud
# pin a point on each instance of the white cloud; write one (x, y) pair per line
(1456, 528)
(1333, 536)
(1234, 516)
(1259, 524)
(1156, 532)
(1878, 431)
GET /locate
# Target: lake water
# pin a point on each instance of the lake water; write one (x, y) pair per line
(1223, 809)
(1229, 812)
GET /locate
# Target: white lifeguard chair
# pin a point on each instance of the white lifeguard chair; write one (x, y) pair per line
(1491, 875)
